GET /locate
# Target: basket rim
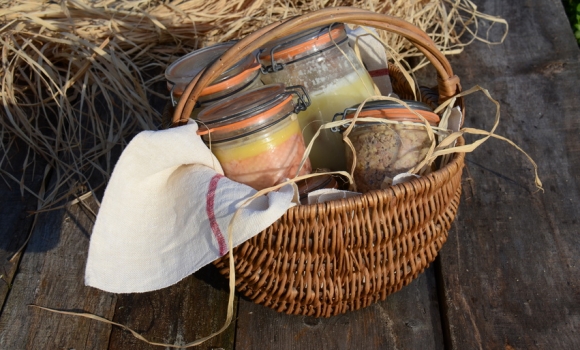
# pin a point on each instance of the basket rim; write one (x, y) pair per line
(448, 83)
(436, 177)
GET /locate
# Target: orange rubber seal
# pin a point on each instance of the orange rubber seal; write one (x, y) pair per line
(233, 81)
(400, 115)
(305, 46)
(223, 85)
(248, 121)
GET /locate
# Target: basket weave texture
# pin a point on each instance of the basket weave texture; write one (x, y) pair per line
(334, 257)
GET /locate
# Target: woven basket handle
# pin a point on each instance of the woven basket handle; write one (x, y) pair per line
(448, 83)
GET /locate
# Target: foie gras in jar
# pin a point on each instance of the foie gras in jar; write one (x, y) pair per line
(256, 135)
(321, 60)
(386, 150)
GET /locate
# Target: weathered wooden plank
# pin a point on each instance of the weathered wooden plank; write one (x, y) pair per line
(16, 218)
(51, 274)
(408, 319)
(189, 310)
(510, 268)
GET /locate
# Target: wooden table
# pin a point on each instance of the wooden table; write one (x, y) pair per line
(508, 276)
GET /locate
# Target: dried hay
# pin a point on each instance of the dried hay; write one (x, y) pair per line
(76, 75)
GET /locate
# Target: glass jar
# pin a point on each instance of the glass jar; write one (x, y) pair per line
(243, 76)
(386, 150)
(256, 135)
(321, 61)
(316, 183)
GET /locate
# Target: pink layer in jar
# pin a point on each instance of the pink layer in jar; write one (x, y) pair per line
(256, 136)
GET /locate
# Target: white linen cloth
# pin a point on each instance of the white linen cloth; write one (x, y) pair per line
(166, 211)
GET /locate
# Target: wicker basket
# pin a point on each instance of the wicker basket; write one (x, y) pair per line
(330, 258)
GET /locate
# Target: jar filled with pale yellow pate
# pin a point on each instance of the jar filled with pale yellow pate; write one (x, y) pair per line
(322, 61)
(256, 135)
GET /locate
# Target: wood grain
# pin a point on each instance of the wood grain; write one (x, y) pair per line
(408, 319)
(16, 217)
(510, 268)
(189, 310)
(51, 274)
(508, 276)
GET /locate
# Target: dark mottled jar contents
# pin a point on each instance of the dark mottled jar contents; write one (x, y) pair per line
(384, 150)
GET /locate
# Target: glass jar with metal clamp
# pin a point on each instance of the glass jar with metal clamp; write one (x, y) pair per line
(243, 76)
(321, 60)
(386, 150)
(256, 135)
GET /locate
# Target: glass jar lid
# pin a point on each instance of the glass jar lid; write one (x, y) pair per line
(180, 73)
(302, 45)
(392, 110)
(246, 113)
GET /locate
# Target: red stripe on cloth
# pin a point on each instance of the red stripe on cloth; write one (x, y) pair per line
(210, 199)
(379, 72)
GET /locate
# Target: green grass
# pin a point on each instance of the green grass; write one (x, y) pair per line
(573, 11)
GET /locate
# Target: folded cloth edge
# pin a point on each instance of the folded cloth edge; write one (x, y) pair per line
(153, 227)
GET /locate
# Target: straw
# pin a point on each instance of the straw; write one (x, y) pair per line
(77, 75)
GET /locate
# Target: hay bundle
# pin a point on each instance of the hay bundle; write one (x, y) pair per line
(77, 74)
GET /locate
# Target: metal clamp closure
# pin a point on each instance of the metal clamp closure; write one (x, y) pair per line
(303, 97)
(342, 117)
(173, 101)
(274, 67)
